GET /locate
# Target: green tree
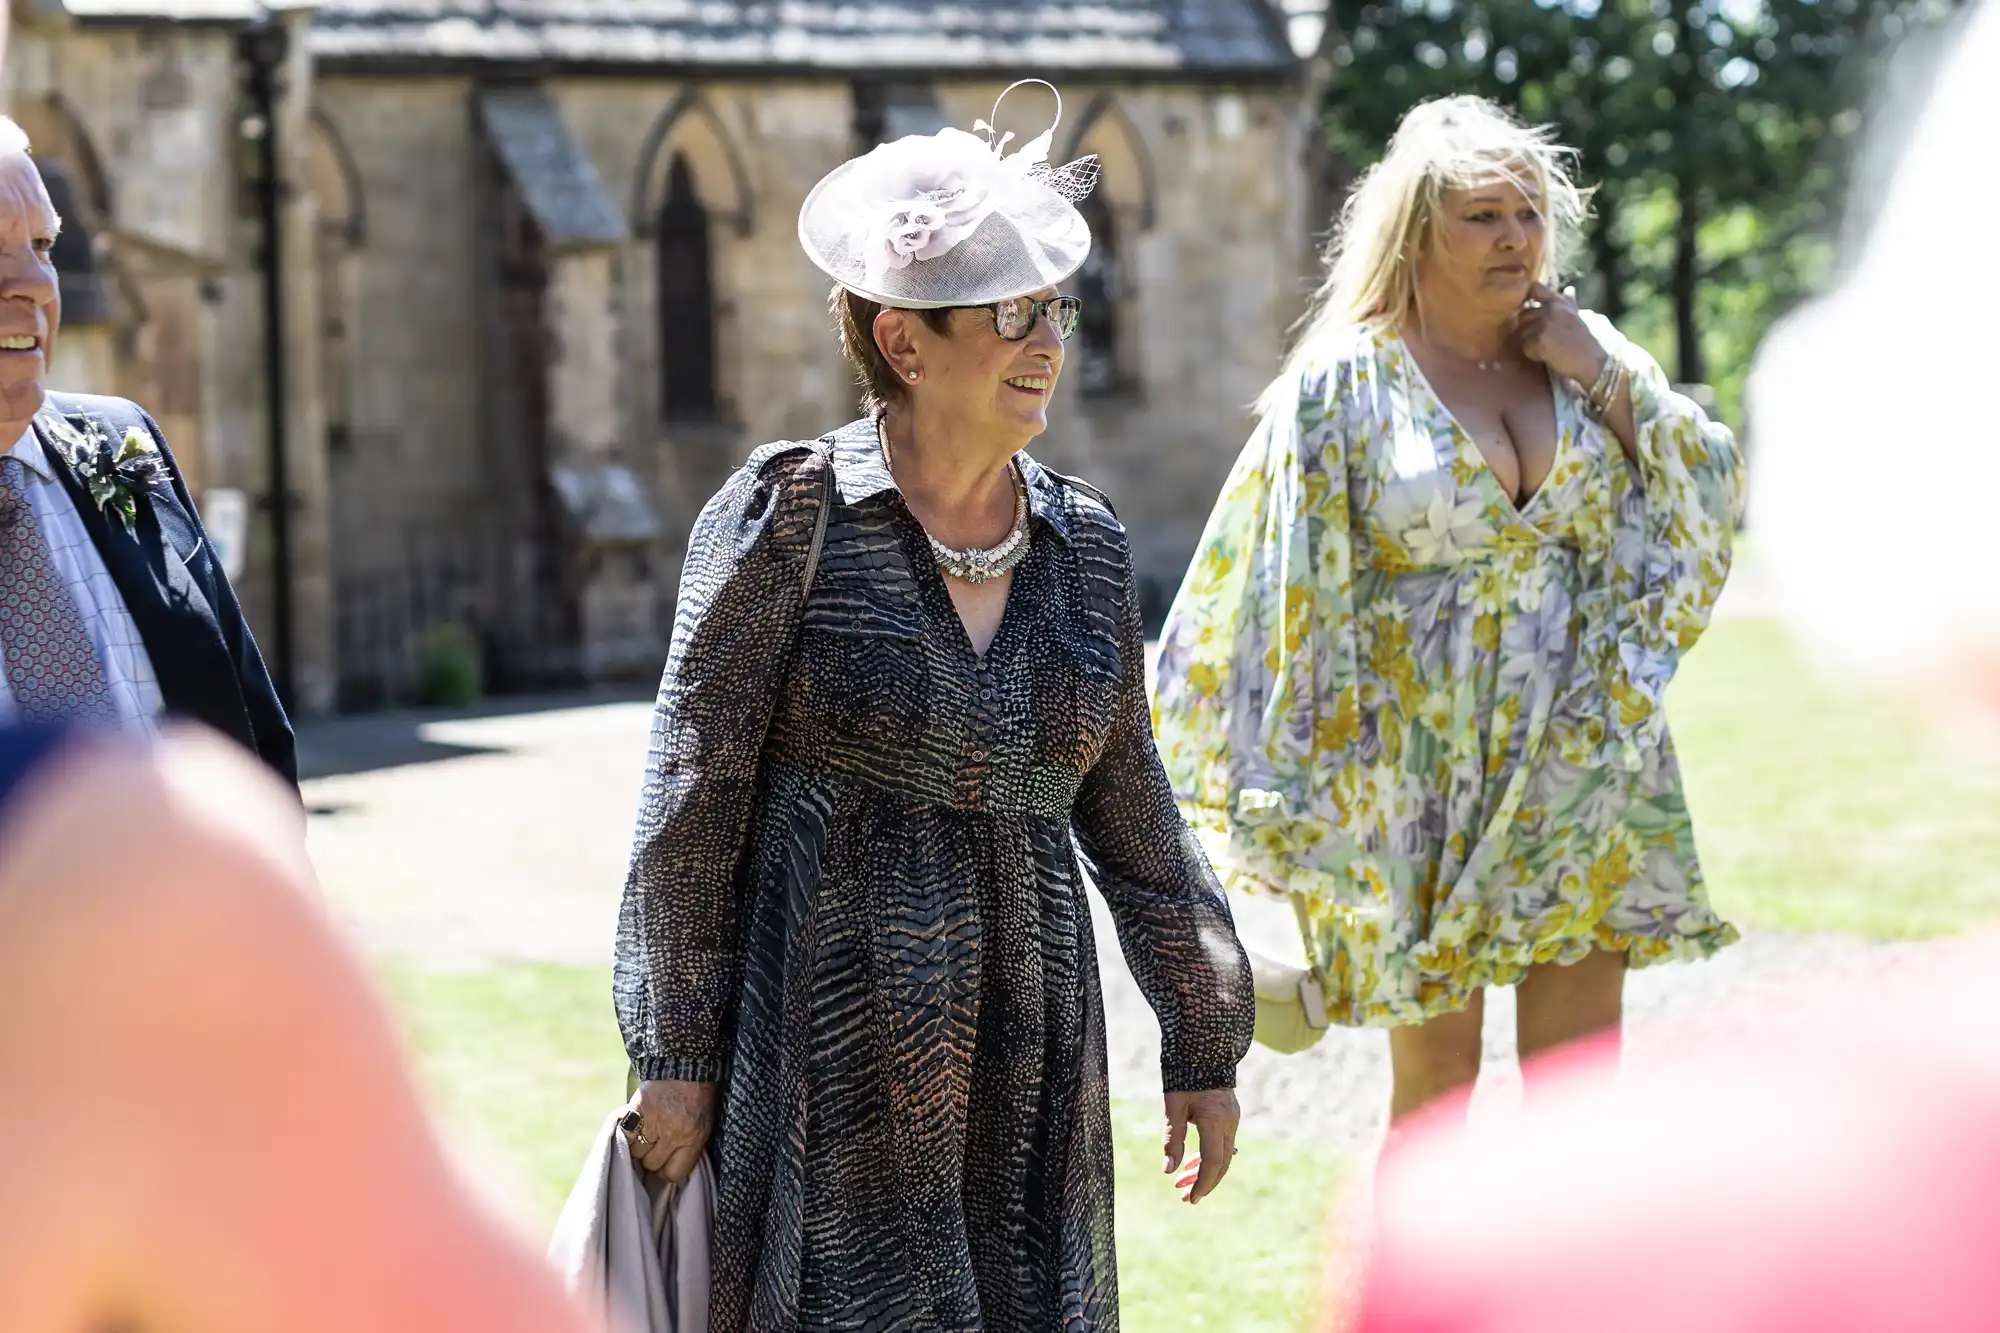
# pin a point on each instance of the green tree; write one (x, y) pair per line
(1730, 109)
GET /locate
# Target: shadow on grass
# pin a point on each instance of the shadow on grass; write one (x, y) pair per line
(366, 742)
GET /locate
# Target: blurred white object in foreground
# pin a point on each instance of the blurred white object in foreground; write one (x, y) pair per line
(1876, 467)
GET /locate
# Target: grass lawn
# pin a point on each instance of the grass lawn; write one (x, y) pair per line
(523, 1063)
(1816, 809)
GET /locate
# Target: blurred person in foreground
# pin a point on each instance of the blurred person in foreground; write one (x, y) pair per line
(906, 689)
(1414, 676)
(1841, 1175)
(114, 608)
(205, 1120)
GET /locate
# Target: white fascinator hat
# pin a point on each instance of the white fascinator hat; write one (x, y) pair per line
(951, 218)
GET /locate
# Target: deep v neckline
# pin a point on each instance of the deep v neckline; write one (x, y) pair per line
(1463, 439)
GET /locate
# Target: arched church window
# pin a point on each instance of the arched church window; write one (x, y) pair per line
(687, 301)
(1099, 282)
(85, 299)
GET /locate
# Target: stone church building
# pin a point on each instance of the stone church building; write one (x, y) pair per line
(536, 286)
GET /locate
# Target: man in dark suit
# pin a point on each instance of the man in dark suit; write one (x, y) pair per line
(114, 610)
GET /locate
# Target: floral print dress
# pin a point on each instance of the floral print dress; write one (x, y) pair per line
(1436, 716)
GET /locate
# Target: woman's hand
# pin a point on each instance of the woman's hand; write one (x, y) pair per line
(675, 1120)
(1551, 331)
(1214, 1115)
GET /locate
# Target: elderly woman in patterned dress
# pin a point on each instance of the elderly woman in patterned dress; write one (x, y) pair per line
(855, 962)
(1414, 677)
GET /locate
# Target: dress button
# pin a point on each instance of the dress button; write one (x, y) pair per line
(979, 756)
(987, 696)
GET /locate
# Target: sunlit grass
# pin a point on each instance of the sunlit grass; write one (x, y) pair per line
(522, 1064)
(1814, 811)
(1819, 810)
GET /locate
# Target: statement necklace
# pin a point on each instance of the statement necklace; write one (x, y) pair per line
(974, 564)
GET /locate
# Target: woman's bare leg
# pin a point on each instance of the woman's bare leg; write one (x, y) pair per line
(1557, 1003)
(1433, 1058)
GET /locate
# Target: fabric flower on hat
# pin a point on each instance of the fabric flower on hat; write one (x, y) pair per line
(939, 189)
(893, 225)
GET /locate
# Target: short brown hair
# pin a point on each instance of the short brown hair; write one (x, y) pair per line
(855, 316)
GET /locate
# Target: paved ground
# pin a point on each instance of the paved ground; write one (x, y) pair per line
(472, 841)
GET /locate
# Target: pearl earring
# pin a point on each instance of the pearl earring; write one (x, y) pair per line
(913, 377)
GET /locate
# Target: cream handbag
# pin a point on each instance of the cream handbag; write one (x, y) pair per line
(1291, 1004)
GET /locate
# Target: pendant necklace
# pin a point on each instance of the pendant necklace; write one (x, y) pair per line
(975, 564)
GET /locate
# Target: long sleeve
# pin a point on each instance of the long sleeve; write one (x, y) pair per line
(1661, 563)
(678, 967)
(1173, 920)
(1256, 698)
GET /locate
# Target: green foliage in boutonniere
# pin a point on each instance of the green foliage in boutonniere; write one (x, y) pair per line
(115, 476)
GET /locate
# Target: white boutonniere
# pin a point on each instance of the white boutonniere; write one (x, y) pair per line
(116, 476)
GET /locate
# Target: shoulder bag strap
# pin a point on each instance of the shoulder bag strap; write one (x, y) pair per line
(1312, 990)
(824, 448)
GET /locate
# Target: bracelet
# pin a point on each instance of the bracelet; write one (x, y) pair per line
(1605, 377)
(1605, 392)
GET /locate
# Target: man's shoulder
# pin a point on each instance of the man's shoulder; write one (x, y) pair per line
(101, 406)
(115, 415)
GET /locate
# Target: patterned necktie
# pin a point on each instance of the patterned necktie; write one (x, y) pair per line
(52, 664)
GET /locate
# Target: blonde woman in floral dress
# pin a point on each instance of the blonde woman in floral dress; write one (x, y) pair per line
(1415, 674)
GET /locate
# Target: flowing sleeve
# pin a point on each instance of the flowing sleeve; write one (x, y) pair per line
(1256, 697)
(678, 964)
(1654, 565)
(1173, 921)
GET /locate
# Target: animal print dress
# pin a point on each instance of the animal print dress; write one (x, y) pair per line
(855, 901)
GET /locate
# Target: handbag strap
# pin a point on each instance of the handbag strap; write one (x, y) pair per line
(823, 446)
(1312, 986)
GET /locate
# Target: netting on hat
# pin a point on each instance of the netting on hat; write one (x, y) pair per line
(947, 219)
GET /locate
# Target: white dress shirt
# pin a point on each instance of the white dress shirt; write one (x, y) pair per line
(128, 671)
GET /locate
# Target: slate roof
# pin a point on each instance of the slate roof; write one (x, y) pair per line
(118, 13)
(1206, 38)
(557, 182)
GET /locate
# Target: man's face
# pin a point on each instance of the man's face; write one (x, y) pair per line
(30, 302)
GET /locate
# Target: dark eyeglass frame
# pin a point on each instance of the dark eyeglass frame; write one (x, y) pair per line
(1053, 309)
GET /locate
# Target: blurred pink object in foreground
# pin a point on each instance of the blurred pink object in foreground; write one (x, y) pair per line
(1840, 1175)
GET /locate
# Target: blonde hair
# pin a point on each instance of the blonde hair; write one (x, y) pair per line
(1391, 216)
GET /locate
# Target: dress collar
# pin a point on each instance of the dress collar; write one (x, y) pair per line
(860, 474)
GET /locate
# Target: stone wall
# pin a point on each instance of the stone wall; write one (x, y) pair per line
(1204, 193)
(753, 150)
(416, 483)
(113, 106)
(412, 484)
(1203, 189)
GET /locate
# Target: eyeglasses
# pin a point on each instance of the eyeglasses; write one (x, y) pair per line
(1014, 320)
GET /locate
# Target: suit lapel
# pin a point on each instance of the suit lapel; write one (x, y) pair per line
(150, 566)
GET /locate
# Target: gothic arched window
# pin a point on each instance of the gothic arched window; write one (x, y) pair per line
(1099, 283)
(85, 299)
(686, 301)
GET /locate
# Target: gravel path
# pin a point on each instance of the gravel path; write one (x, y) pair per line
(1336, 1093)
(473, 841)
